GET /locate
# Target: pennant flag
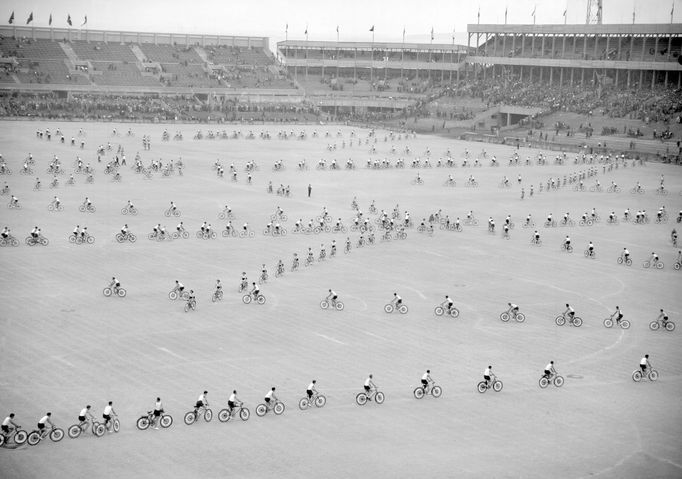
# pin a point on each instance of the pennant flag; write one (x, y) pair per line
(85, 20)
(479, 14)
(534, 8)
(11, 18)
(431, 33)
(286, 27)
(30, 18)
(68, 19)
(49, 22)
(306, 31)
(371, 29)
(337, 29)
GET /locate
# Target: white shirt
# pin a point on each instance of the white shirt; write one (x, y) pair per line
(487, 372)
(158, 406)
(44, 419)
(643, 361)
(107, 410)
(202, 398)
(426, 377)
(269, 394)
(7, 421)
(368, 381)
(233, 397)
(311, 386)
(83, 412)
(549, 367)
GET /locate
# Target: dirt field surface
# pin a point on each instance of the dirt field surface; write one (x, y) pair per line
(64, 344)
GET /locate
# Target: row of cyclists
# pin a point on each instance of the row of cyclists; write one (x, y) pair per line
(86, 418)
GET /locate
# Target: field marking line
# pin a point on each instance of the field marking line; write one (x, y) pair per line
(62, 360)
(378, 337)
(421, 295)
(168, 351)
(330, 339)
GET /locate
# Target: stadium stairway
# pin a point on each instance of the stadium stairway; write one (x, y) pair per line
(202, 53)
(68, 51)
(137, 51)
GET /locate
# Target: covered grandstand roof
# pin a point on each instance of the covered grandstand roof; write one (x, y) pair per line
(305, 44)
(580, 29)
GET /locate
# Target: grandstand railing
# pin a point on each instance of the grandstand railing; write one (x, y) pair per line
(575, 63)
(376, 64)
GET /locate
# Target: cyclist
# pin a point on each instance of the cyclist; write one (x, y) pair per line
(158, 410)
(173, 207)
(333, 249)
(487, 375)
(180, 227)
(115, 283)
(625, 254)
(5, 233)
(426, 379)
(202, 401)
(269, 396)
(323, 252)
(311, 389)
(6, 423)
(332, 296)
(664, 317)
(254, 292)
(654, 258)
(448, 303)
(618, 314)
(14, 201)
(396, 299)
(567, 242)
(244, 282)
(570, 312)
(369, 387)
(549, 370)
(84, 415)
(513, 309)
(179, 287)
(56, 202)
(644, 363)
(76, 231)
(106, 414)
(280, 267)
(294, 264)
(536, 237)
(590, 249)
(233, 401)
(42, 421)
(218, 285)
(192, 299)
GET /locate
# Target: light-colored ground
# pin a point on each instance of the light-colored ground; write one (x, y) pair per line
(63, 344)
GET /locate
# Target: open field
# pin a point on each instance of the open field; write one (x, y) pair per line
(64, 344)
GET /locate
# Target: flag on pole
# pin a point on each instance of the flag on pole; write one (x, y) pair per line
(672, 10)
(479, 14)
(49, 22)
(403, 34)
(371, 29)
(68, 19)
(30, 18)
(85, 20)
(286, 28)
(337, 29)
(533, 14)
(633, 17)
(11, 18)
(565, 12)
(431, 33)
(505, 15)
(306, 30)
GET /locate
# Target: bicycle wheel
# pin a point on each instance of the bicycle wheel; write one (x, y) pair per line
(303, 404)
(116, 425)
(339, 306)
(436, 391)
(418, 393)
(223, 415)
(320, 400)
(90, 239)
(34, 438)
(481, 387)
(646, 264)
(654, 325)
(402, 309)
(361, 399)
(438, 311)
(560, 320)
(189, 418)
(20, 437)
(2, 440)
(669, 326)
(379, 397)
(208, 415)
(261, 409)
(608, 323)
(559, 381)
(121, 292)
(543, 382)
(74, 431)
(98, 429)
(142, 423)
(625, 324)
(577, 322)
(260, 299)
(497, 386)
(637, 376)
(659, 265)
(107, 292)
(388, 308)
(619, 260)
(244, 414)
(520, 317)
(279, 408)
(653, 375)
(504, 316)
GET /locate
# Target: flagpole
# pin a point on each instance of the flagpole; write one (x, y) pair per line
(672, 10)
(371, 65)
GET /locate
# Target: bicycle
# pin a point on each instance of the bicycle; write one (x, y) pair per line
(621, 260)
(658, 264)
(172, 212)
(623, 323)
(334, 304)
(518, 316)
(441, 309)
(129, 210)
(555, 379)
(80, 238)
(115, 291)
(590, 254)
(656, 325)
(17, 435)
(206, 234)
(190, 304)
(246, 233)
(175, 293)
(32, 241)
(88, 208)
(55, 207)
(13, 205)
(56, 434)
(247, 298)
(574, 321)
(638, 375)
(225, 415)
(75, 430)
(262, 409)
(192, 416)
(495, 384)
(362, 398)
(120, 237)
(9, 241)
(319, 400)
(431, 388)
(146, 420)
(390, 307)
(217, 295)
(184, 234)
(566, 247)
(585, 222)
